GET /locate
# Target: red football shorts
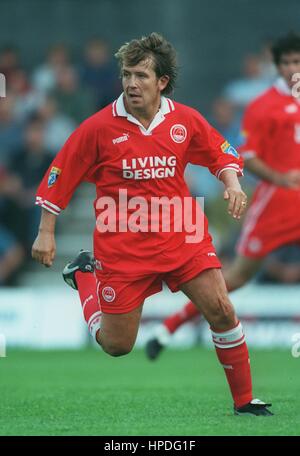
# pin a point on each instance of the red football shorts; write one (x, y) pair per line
(272, 220)
(119, 294)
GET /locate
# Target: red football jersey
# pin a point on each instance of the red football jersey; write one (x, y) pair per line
(115, 152)
(272, 129)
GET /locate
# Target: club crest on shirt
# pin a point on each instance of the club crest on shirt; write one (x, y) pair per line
(178, 133)
(228, 149)
(291, 108)
(108, 294)
(54, 173)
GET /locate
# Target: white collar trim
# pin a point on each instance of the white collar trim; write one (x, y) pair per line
(282, 87)
(166, 106)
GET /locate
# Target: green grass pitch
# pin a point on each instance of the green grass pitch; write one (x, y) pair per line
(183, 393)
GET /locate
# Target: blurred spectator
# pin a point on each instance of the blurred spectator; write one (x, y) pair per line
(27, 100)
(241, 91)
(100, 73)
(11, 130)
(11, 252)
(12, 256)
(267, 68)
(226, 119)
(44, 77)
(9, 62)
(72, 100)
(58, 126)
(27, 167)
(282, 266)
(201, 183)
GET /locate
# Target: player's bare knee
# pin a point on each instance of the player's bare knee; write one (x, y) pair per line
(117, 350)
(116, 353)
(222, 312)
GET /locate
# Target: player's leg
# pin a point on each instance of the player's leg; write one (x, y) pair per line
(236, 275)
(115, 333)
(208, 292)
(118, 332)
(162, 333)
(79, 275)
(241, 271)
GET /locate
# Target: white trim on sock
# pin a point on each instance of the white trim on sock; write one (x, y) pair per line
(228, 339)
(94, 324)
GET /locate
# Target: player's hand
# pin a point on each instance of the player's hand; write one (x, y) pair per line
(44, 248)
(291, 179)
(237, 201)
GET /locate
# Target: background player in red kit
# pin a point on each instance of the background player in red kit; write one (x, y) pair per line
(141, 144)
(271, 151)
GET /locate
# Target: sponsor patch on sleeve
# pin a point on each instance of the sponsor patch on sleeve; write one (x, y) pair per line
(53, 175)
(228, 149)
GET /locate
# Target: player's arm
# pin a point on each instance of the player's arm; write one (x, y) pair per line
(44, 248)
(70, 167)
(233, 193)
(259, 168)
(256, 129)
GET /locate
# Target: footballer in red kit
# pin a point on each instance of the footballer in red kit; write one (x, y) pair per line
(147, 162)
(272, 134)
(271, 151)
(135, 152)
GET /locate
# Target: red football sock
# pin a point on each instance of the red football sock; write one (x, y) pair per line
(189, 312)
(233, 354)
(87, 289)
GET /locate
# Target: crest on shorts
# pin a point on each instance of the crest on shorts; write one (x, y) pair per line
(254, 244)
(54, 173)
(108, 294)
(178, 133)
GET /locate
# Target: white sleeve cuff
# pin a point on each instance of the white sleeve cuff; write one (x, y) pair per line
(47, 205)
(233, 167)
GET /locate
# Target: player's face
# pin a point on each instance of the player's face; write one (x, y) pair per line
(142, 88)
(289, 64)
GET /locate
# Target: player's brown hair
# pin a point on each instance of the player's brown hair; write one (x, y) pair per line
(158, 49)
